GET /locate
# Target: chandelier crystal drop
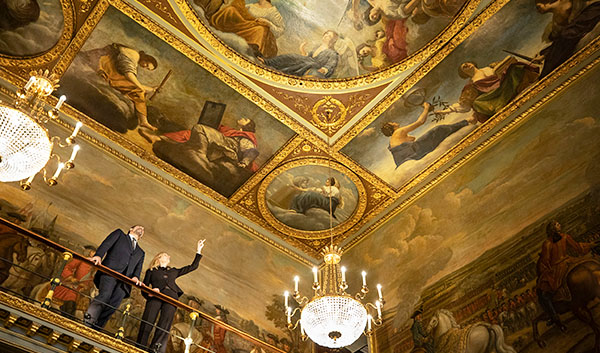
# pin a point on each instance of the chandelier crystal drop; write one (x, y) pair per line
(333, 318)
(26, 147)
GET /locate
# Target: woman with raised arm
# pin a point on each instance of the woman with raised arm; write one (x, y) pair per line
(161, 278)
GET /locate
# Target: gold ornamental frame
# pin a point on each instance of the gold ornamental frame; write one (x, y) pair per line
(304, 234)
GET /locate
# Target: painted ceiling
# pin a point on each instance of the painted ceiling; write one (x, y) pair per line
(250, 108)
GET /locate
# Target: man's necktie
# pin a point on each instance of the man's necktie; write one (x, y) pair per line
(133, 243)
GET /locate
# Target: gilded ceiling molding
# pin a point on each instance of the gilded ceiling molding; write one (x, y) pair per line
(267, 74)
(517, 121)
(85, 5)
(419, 73)
(23, 65)
(297, 233)
(163, 9)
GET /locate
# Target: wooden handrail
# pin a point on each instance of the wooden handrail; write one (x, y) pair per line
(119, 276)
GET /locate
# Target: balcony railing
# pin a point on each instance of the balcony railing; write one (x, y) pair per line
(194, 333)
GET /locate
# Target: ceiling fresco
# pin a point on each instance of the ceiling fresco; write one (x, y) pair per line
(208, 114)
(326, 39)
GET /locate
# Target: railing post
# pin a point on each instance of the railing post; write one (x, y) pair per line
(188, 340)
(55, 282)
(121, 331)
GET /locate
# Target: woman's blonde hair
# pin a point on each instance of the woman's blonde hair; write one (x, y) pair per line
(155, 261)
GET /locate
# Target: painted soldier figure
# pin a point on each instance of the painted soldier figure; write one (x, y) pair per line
(553, 266)
(421, 338)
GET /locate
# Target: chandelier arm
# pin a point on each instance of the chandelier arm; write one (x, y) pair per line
(58, 141)
(369, 305)
(363, 292)
(301, 301)
(291, 326)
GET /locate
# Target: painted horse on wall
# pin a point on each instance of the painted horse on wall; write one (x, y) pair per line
(11, 243)
(583, 282)
(479, 337)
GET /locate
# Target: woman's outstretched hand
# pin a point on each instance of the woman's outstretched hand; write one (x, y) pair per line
(200, 246)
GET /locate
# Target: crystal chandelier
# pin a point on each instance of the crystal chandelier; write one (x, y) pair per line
(26, 147)
(333, 318)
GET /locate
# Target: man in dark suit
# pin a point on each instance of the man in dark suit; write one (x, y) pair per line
(121, 253)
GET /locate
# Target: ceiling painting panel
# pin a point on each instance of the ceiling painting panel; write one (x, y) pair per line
(451, 102)
(394, 39)
(180, 113)
(470, 246)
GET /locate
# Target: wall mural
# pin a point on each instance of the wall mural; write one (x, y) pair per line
(166, 103)
(72, 214)
(29, 27)
(326, 38)
(479, 254)
(479, 78)
(303, 197)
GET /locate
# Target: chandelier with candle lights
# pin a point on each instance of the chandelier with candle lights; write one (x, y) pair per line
(26, 147)
(333, 318)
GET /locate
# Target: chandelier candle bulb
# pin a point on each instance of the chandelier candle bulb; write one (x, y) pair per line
(296, 281)
(58, 170)
(76, 149)
(77, 128)
(30, 83)
(379, 292)
(61, 100)
(378, 305)
(369, 319)
(315, 274)
(289, 315)
(343, 273)
(364, 277)
(286, 294)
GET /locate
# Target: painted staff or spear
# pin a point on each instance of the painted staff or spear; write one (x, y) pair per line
(162, 83)
(524, 57)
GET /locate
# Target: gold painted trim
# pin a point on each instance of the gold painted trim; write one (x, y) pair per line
(517, 121)
(41, 59)
(304, 234)
(267, 74)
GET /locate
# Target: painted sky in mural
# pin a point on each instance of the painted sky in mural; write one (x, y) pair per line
(367, 35)
(299, 197)
(229, 273)
(546, 163)
(194, 121)
(459, 104)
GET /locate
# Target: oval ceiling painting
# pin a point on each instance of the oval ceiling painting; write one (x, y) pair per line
(301, 196)
(326, 39)
(29, 27)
